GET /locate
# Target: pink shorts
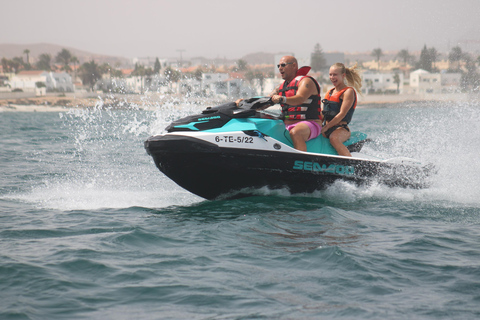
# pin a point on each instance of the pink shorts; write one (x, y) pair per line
(315, 128)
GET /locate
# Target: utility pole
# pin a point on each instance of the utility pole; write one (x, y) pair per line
(181, 61)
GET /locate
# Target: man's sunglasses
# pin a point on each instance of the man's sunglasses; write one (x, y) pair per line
(283, 65)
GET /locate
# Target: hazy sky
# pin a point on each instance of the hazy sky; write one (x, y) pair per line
(223, 28)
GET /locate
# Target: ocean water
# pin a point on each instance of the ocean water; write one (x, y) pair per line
(90, 229)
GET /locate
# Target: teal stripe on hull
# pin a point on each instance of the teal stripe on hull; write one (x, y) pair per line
(276, 129)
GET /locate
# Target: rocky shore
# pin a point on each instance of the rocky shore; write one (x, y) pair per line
(45, 103)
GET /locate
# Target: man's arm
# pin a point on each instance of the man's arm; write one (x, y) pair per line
(275, 91)
(306, 88)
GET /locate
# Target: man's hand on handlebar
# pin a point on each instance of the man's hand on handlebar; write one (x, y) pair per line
(279, 99)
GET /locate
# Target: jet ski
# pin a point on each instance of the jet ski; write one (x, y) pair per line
(232, 151)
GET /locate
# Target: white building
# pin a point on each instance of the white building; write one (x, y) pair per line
(59, 82)
(451, 82)
(209, 78)
(190, 86)
(215, 83)
(141, 84)
(26, 80)
(422, 81)
(376, 82)
(53, 81)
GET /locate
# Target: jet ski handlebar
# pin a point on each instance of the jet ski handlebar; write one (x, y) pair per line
(256, 103)
(245, 108)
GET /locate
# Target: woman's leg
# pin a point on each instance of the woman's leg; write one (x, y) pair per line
(337, 138)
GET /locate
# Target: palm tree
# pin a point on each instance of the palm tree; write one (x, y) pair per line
(157, 66)
(27, 52)
(396, 80)
(261, 79)
(470, 79)
(172, 76)
(455, 56)
(5, 65)
(405, 56)
(64, 57)
(433, 56)
(242, 65)
(90, 73)
(140, 71)
(198, 74)
(377, 53)
(425, 60)
(16, 63)
(44, 61)
(74, 60)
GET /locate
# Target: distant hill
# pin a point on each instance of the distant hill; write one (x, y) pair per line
(9, 51)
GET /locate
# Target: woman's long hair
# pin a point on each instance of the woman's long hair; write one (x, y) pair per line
(352, 75)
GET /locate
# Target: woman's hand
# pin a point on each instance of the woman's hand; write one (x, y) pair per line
(324, 129)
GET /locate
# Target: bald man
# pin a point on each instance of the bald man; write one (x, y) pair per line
(299, 96)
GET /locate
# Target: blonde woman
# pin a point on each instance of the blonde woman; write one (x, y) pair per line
(339, 105)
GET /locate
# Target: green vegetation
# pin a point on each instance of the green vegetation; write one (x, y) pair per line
(396, 80)
(90, 73)
(64, 57)
(318, 61)
(44, 62)
(157, 67)
(172, 75)
(377, 53)
(242, 65)
(405, 56)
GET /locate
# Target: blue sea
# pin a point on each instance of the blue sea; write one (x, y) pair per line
(91, 229)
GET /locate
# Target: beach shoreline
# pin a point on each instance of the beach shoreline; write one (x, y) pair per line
(150, 101)
(147, 101)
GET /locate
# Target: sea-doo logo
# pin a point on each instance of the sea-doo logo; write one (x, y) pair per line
(209, 118)
(316, 167)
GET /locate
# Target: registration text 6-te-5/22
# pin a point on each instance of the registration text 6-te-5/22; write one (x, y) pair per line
(234, 139)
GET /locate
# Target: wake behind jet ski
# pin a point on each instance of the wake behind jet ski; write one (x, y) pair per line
(230, 151)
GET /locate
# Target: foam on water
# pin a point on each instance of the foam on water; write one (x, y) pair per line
(102, 163)
(66, 196)
(446, 135)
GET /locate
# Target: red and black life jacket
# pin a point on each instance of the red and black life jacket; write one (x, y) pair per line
(333, 102)
(310, 109)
